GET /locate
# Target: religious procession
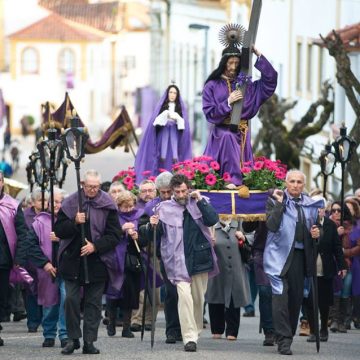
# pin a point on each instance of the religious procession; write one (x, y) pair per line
(205, 220)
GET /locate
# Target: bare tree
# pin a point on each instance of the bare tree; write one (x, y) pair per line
(288, 144)
(346, 78)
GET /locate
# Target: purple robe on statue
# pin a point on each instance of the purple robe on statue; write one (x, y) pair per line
(224, 145)
(47, 290)
(148, 157)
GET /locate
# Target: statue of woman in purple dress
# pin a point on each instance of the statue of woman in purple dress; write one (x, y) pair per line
(167, 138)
(220, 92)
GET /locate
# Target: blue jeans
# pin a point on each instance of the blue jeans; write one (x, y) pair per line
(54, 317)
(34, 312)
(253, 289)
(265, 307)
(347, 286)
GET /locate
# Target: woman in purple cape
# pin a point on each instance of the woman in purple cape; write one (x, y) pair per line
(167, 138)
(221, 91)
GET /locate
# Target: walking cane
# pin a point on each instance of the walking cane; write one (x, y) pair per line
(315, 298)
(153, 314)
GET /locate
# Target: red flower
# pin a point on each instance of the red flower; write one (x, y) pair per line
(226, 177)
(258, 165)
(210, 179)
(215, 165)
(203, 168)
(245, 170)
(128, 180)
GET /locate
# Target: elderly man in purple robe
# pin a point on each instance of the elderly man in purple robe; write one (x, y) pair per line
(167, 138)
(12, 235)
(102, 234)
(147, 192)
(50, 294)
(220, 93)
(182, 225)
(291, 218)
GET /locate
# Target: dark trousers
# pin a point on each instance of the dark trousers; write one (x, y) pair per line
(33, 310)
(92, 309)
(265, 308)
(286, 307)
(170, 306)
(4, 288)
(221, 316)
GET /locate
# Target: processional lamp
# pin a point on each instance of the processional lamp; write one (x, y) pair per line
(74, 139)
(40, 175)
(344, 146)
(327, 164)
(51, 153)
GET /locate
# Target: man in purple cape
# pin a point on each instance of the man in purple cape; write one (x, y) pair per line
(167, 138)
(102, 234)
(12, 234)
(231, 149)
(187, 252)
(50, 294)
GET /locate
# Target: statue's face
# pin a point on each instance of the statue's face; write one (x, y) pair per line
(231, 66)
(172, 94)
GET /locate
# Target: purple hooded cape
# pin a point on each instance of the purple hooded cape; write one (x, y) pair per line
(99, 206)
(120, 250)
(8, 210)
(224, 145)
(172, 250)
(47, 290)
(148, 154)
(355, 265)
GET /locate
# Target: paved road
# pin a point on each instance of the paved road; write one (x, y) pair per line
(21, 345)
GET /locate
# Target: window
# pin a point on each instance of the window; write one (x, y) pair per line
(309, 68)
(298, 66)
(67, 62)
(30, 61)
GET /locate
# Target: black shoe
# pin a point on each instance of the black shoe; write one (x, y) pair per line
(111, 331)
(48, 343)
(71, 346)
(170, 339)
(190, 346)
(32, 330)
(147, 327)
(19, 316)
(1, 342)
(5, 318)
(105, 321)
(89, 348)
(311, 338)
(284, 346)
(269, 339)
(135, 327)
(126, 333)
(63, 342)
(285, 351)
(249, 314)
(324, 336)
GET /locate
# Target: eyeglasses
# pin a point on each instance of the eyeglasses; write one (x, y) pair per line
(92, 187)
(144, 191)
(335, 210)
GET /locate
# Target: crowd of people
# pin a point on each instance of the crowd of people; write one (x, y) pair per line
(104, 250)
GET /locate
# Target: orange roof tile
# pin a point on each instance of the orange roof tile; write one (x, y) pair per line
(55, 27)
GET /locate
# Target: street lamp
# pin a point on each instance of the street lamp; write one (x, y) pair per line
(344, 146)
(204, 128)
(30, 174)
(327, 164)
(74, 140)
(40, 175)
(51, 152)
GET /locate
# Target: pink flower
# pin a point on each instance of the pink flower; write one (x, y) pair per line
(215, 165)
(128, 180)
(131, 173)
(210, 179)
(258, 165)
(279, 174)
(203, 168)
(226, 177)
(161, 170)
(245, 170)
(130, 186)
(146, 172)
(152, 178)
(247, 163)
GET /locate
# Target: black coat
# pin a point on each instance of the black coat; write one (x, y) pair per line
(330, 249)
(71, 265)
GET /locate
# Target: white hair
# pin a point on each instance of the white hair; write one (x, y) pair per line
(92, 173)
(295, 171)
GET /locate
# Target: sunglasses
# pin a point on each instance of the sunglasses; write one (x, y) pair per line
(335, 210)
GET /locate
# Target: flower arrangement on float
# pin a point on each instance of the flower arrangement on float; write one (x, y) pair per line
(203, 172)
(264, 174)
